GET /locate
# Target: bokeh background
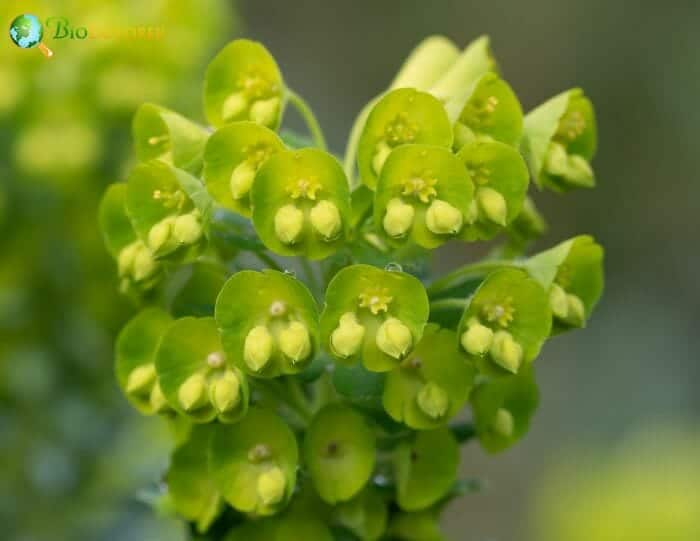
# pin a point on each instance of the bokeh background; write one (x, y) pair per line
(614, 451)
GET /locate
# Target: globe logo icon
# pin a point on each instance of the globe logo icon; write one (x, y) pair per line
(26, 32)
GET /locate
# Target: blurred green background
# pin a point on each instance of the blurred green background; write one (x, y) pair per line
(620, 408)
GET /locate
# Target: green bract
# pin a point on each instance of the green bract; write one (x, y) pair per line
(268, 322)
(197, 295)
(135, 352)
(339, 452)
(254, 463)
(420, 526)
(301, 203)
(500, 181)
(161, 134)
(243, 82)
(424, 194)
(400, 117)
(503, 408)
(505, 323)
(232, 158)
(431, 385)
(197, 378)
(560, 142)
(374, 315)
(365, 515)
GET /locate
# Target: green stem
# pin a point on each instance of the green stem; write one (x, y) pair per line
(308, 115)
(297, 399)
(452, 303)
(314, 285)
(467, 272)
(268, 260)
(354, 141)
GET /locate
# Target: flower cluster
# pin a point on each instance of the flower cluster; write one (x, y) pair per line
(319, 392)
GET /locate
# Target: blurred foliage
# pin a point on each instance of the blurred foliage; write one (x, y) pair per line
(69, 450)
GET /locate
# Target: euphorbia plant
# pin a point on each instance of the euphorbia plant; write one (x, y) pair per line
(320, 377)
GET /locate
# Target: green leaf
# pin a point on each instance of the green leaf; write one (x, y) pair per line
(246, 461)
(197, 295)
(365, 515)
(339, 450)
(426, 468)
(431, 386)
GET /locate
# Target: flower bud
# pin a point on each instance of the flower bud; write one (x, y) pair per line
(433, 400)
(347, 338)
(506, 352)
(398, 218)
(160, 233)
(192, 394)
(558, 301)
(493, 204)
(503, 423)
(157, 399)
(141, 379)
(234, 106)
(144, 265)
(574, 169)
(477, 339)
(394, 338)
(325, 219)
(294, 341)
(187, 229)
(289, 222)
(265, 111)
(576, 311)
(271, 485)
(242, 179)
(125, 261)
(381, 153)
(442, 218)
(257, 348)
(225, 392)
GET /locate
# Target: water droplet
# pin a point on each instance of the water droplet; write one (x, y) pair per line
(290, 272)
(393, 267)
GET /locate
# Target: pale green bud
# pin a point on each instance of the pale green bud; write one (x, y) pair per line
(271, 486)
(225, 392)
(503, 423)
(257, 348)
(442, 218)
(493, 204)
(398, 218)
(347, 338)
(433, 400)
(289, 222)
(294, 341)
(157, 399)
(576, 311)
(192, 394)
(242, 179)
(144, 265)
(575, 169)
(381, 153)
(187, 229)
(234, 106)
(394, 338)
(325, 218)
(160, 233)
(125, 261)
(141, 379)
(477, 339)
(265, 111)
(558, 301)
(506, 352)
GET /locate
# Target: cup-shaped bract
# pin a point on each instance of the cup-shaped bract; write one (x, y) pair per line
(505, 323)
(374, 315)
(431, 385)
(198, 378)
(339, 450)
(135, 356)
(426, 63)
(162, 134)
(137, 268)
(572, 273)
(423, 194)
(254, 463)
(560, 139)
(401, 116)
(500, 178)
(268, 322)
(301, 203)
(503, 408)
(169, 210)
(232, 157)
(365, 515)
(425, 468)
(197, 294)
(243, 82)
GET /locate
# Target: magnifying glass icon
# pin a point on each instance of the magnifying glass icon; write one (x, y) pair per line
(26, 31)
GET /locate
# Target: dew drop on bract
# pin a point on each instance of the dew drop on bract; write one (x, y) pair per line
(290, 272)
(393, 267)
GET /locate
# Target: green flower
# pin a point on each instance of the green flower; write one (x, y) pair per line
(402, 116)
(301, 203)
(232, 158)
(374, 315)
(505, 323)
(560, 142)
(198, 379)
(423, 194)
(431, 385)
(268, 322)
(503, 408)
(243, 82)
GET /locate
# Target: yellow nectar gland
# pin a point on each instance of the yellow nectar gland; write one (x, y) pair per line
(506, 352)
(257, 348)
(394, 338)
(347, 338)
(493, 205)
(187, 228)
(376, 301)
(141, 379)
(192, 394)
(476, 340)
(421, 187)
(441, 218)
(157, 399)
(433, 400)
(225, 393)
(503, 423)
(289, 222)
(271, 486)
(398, 218)
(500, 312)
(306, 188)
(242, 179)
(294, 341)
(325, 219)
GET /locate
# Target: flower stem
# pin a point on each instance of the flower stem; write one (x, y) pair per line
(307, 114)
(452, 303)
(467, 272)
(267, 259)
